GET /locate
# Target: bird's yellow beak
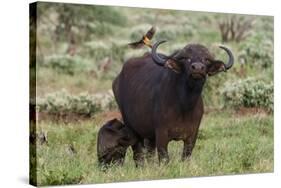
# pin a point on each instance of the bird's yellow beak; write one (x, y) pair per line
(146, 41)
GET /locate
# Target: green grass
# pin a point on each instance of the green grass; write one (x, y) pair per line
(227, 144)
(49, 81)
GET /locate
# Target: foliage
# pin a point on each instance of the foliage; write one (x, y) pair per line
(99, 50)
(82, 104)
(67, 64)
(250, 92)
(101, 29)
(235, 28)
(71, 17)
(257, 50)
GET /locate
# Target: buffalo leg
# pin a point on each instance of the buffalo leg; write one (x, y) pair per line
(138, 153)
(189, 144)
(162, 146)
(187, 150)
(150, 148)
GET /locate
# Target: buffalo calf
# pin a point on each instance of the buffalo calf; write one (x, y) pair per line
(113, 140)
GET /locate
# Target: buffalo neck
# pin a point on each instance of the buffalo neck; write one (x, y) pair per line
(188, 91)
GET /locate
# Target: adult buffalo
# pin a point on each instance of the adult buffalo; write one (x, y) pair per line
(159, 96)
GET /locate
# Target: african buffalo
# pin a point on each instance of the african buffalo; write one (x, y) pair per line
(113, 140)
(159, 96)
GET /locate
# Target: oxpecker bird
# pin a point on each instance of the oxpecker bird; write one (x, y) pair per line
(146, 40)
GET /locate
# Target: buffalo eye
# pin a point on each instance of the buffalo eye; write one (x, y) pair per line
(207, 61)
(184, 59)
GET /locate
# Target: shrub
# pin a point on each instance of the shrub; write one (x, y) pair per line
(82, 104)
(257, 50)
(235, 28)
(67, 64)
(250, 92)
(98, 50)
(100, 29)
(107, 14)
(71, 16)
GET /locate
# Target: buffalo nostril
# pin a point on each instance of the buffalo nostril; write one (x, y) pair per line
(193, 66)
(202, 68)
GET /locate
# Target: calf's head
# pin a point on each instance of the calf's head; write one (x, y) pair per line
(194, 60)
(113, 140)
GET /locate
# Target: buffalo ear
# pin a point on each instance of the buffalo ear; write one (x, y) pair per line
(215, 67)
(173, 65)
(113, 126)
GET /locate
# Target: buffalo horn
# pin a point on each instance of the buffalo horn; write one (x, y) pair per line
(158, 59)
(230, 57)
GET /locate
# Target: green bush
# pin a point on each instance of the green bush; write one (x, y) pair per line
(107, 14)
(67, 64)
(82, 104)
(71, 16)
(250, 92)
(98, 50)
(257, 50)
(100, 29)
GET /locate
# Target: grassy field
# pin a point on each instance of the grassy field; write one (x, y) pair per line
(73, 45)
(228, 143)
